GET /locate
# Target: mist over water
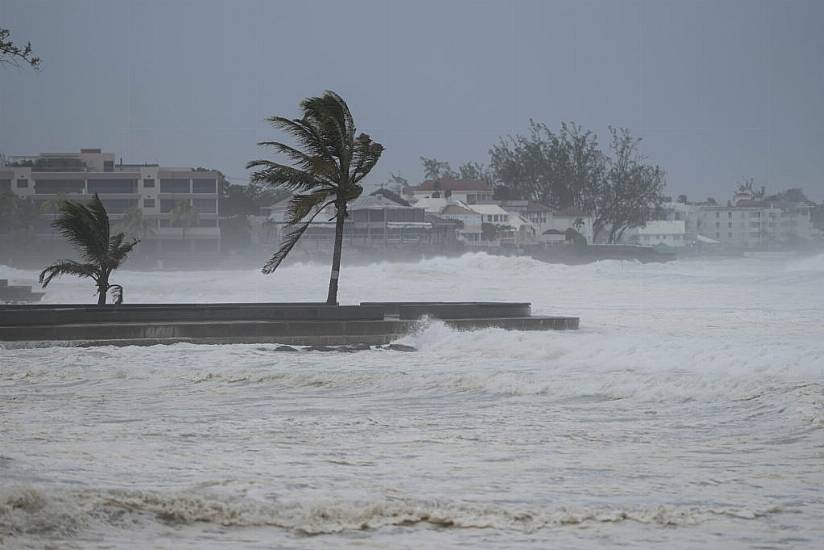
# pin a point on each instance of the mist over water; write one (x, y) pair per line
(688, 410)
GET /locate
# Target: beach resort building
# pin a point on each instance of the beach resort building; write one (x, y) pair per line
(149, 188)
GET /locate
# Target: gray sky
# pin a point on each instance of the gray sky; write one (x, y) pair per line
(719, 90)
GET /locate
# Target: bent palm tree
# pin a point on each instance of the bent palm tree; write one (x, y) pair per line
(87, 227)
(326, 172)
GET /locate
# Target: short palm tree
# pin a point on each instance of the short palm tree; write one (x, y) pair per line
(87, 227)
(326, 170)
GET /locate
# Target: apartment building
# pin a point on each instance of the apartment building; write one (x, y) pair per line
(755, 224)
(154, 190)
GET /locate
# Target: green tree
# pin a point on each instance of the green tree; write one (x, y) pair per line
(184, 216)
(631, 190)
(247, 200)
(326, 172)
(19, 216)
(561, 170)
(15, 55)
(87, 227)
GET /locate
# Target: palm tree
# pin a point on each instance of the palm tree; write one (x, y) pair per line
(184, 215)
(325, 171)
(134, 224)
(87, 227)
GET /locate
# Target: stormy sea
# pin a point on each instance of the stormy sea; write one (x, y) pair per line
(688, 411)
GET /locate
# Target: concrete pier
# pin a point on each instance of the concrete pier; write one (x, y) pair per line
(294, 323)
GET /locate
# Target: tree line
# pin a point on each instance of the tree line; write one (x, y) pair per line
(568, 168)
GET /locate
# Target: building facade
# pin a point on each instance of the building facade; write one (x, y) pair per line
(756, 224)
(671, 233)
(153, 190)
(466, 191)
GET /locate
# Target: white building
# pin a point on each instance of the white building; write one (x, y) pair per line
(466, 191)
(152, 189)
(670, 233)
(688, 213)
(571, 218)
(536, 213)
(472, 231)
(756, 224)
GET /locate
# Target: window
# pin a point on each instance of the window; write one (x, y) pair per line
(204, 186)
(174, 185)
(148, 182)
(22, 183)
(729, 225)
(166, 205)
(49, 187)
(119, 206)
(108, 166)
(205, 205)
(5, 186)
(148, 203)
(112, 186)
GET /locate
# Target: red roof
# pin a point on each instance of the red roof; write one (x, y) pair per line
(450, 184)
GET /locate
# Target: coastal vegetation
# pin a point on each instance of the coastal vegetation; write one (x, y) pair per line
(568, 169)
(325, 170)
(86, 226)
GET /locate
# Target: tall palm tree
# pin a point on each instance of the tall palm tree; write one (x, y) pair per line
(325, 170)
(87, 227)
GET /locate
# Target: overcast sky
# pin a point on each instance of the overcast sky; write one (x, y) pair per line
(718, 90)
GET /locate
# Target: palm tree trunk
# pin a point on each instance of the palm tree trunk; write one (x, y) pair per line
(332, 298)
(102, 288)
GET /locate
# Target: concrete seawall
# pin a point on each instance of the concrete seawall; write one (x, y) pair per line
(298, 324)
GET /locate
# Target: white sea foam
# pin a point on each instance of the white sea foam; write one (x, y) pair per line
(692, 397)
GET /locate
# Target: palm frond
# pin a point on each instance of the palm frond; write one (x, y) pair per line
(332, 119)
(305, 134)
(287, 177)
(290, 239)
(67, 267)
(318, 165)
(301, 206)
(118, 250)
(365, 156)
(85, 226)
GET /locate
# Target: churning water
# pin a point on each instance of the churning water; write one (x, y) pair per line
(687, 411)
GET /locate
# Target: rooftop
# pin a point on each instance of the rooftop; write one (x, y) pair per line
(452, 184)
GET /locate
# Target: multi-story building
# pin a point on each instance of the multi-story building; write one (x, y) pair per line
(153, 190)
(756, 223)
(685, 212)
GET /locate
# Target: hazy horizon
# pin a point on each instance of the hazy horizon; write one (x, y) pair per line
(718, 91)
